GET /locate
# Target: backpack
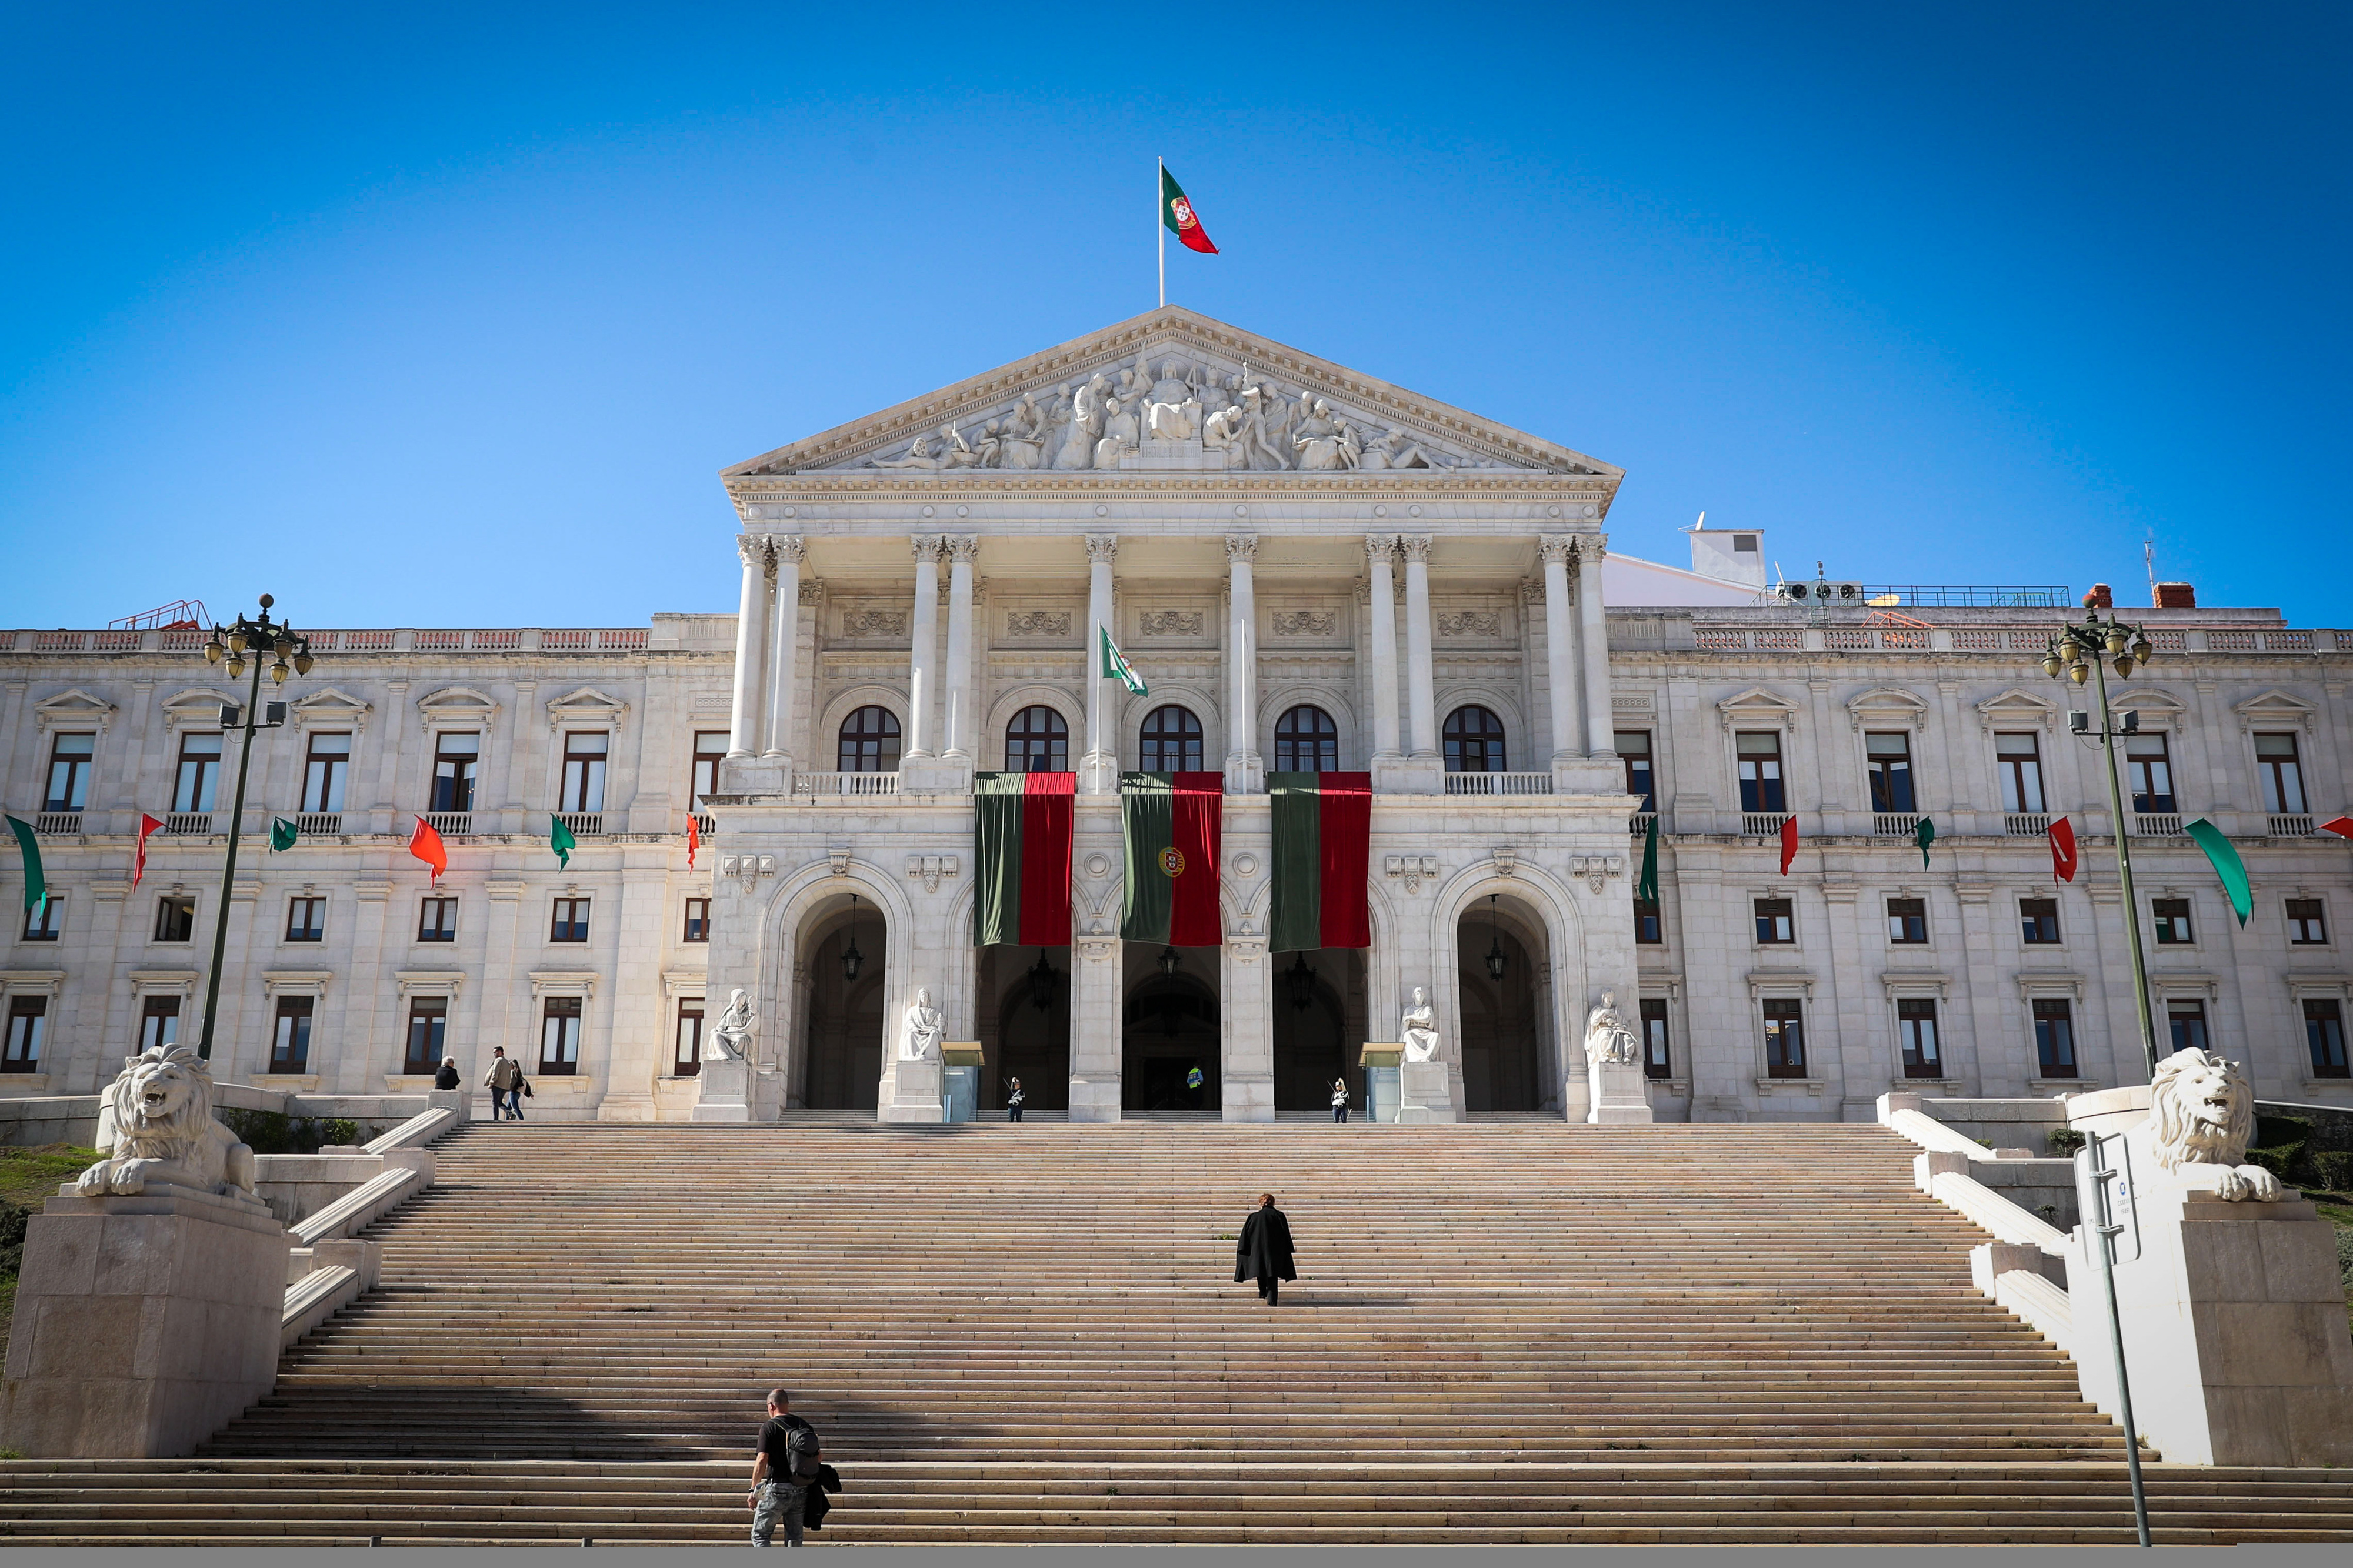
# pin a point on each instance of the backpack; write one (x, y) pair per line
(800, 1446)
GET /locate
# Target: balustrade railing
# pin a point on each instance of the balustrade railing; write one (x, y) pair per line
(582, 824)
(1762, 824)
(706, 826)
(1499, 784)
(319, 823)
(1895, 824)
(2157, 824)
(2290, 825)
(57, 824)
(845, 783)
(2026, 823)
(187, 824)
(1640, 823)
(450, 824)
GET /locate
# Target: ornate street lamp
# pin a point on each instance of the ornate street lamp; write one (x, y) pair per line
(1041, 984)
(850, 957)
(1299, 980)
(1496, 964)
(2076, 653)
(262, 638)
(1169, 960)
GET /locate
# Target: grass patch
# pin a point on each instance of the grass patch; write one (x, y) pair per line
(28, 1178)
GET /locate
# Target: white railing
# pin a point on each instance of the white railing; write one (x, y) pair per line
(2026, 823)
(2284, 824)
(65, 824)
(319, 823)
(187, 824)
(1762, 824)
(1640, 823)
(706, 825)
(2156, 825)
(451, 823)
(1895, 824)
(582, 824)
(1499, 784)
(845, 783)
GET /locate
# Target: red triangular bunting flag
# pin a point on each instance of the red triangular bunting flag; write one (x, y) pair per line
(2063, 850)
(1788, 841)
(2342, 826)
(693, 840)
(427, 845)
(147, 825)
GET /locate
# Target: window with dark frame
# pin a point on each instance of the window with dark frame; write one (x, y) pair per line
(569, 921)
(45, 922)
(2148, 772)
(686, 1055)
(1775, 923)
(2017, 756)
(703, 776)
(1474, 742)
(1038, 741)
(437, 920)
(1634, 756)
(2172, 917)
(2324, 1036)
(199, 771)
(559, 1035)
(2185, 1022)
(2275, 761)
(1307, 741)
(1907, 921)
(176, 917)
(1759, 753)
(1916, 1032)
(1649, 928)
(1657, 1061)
(2055, 1037)
(428, 1035)
(328, 759)
(1888, 758)
(1171, 740)
(306, 917)
(2307, 923)
(868, 743)
(70, 762)
(158, 1021)
(28, 1019)
(290, 1039)
(585, 752)
(2038, 921)
(698, 920)
(456, 756)
(1785, 1038)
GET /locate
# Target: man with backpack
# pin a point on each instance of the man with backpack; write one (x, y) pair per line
(783, 1471)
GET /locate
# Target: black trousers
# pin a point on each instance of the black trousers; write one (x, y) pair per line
(1269, 1286)
(1012, 1113)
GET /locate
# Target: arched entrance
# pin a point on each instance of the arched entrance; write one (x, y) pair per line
(844, 951)
(1319, 1021)
(1501, 957)
(1024, 1020)
(1168, 1029)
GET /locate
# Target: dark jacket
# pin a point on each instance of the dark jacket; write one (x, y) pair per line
(1263, 1250)
(446, 1079)
(816, 1505)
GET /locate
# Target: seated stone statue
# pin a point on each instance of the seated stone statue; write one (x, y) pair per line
(924, 1030)
(731, 1037)
(1419, 1029)
(1607, 1038)
(1171, 412)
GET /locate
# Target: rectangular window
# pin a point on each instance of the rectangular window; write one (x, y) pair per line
(584, 770)
(2148, 773)
(1785, 1038)
(455, 758)
(1888, 758)
(69, 772)
(2018, 759)
(329, 759)
(28, 1017)
(159, 1022)
(1656, 1060)
(176, 917)
(437, 921)
(428, 1035)
(559, 1035)
(2323, 1036)
(2308, 924)
(306, 919)
(44, 924)
(710, 748)
(571, 921)
(686, 1055)
(1647, 930)
(2172, 920)
(2054, 1039)
(1774, 923)
(1760, 770)
(1907, 921)
(698, 920)
(2038, 921)
(2187, 1023)
(289, 1044)
(200, 759)
(2283, 779)
(1634, 751)
(1916, 1031)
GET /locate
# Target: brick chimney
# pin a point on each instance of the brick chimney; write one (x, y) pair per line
(2176, 597)
(2099, 598)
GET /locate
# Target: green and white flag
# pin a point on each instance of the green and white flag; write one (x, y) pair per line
(561, 840)
(36, 887)
(283, 834)
(1116, 666)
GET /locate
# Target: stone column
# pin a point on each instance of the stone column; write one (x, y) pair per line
(1420, 701)
(789, 551)
(1560, 645)
(1380, 549)
(922, 690)
(1099, 768)
(1245, 770)
(1600, 740)
(958, 733)
(751, 646)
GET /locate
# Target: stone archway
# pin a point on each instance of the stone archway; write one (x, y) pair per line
(1505, 1042)
(1168, 1026)
(1024, 1021)
(839, 1065)
(1319, 1020)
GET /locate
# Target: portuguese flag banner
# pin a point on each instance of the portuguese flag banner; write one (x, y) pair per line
(1022, 847)
(1177, 215)
(1323, 860)
(1170, 822)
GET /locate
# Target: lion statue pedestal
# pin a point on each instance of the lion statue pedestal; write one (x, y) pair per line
(2232, 1314)
(151, 1304)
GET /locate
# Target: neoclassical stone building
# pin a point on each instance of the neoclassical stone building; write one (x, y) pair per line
(1313, 571)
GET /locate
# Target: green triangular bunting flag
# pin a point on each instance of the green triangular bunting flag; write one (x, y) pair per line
(1646, 888)
(560, 839)
(36, 886)
(282, 834)
(1116, 666)
(1923, 835)
(2227, 866)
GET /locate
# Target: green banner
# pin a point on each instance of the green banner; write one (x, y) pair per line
(36, 886)
(561, 840)
(283, 834)
(1646, 886)
(2227, 866)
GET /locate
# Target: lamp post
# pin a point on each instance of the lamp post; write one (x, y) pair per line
(2075, 655)
(258, 636)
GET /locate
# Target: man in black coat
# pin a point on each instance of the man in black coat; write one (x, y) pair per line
(1263, 1250)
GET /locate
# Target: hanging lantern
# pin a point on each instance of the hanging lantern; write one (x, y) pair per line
(850, 957)
(1496, 963)
(1299, 980)
(1041, 984)
(1169, 960)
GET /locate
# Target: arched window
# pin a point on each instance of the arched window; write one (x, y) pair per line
(1305, 741)
(869, 742)
(1172, 741)
(1038, 741)
(1474, 742)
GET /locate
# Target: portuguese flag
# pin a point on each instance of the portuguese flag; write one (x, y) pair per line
(1177, 213)
(1021, 844)
(1323, 860)
(1170, 824)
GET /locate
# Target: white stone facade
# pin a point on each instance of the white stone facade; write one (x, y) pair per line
(957, 599)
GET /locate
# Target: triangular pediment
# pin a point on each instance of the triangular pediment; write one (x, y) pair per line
(327, 707)
(1253, 408)
(587, 705)
(1884, 704)
(2275, 706)
(68, 709)
(2017, 707)
(1756, 706)
(456, 704)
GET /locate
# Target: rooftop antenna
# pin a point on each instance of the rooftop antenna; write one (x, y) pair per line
(2148, 559)
(1695, 527)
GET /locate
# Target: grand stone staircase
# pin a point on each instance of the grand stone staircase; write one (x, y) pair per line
(1509, 1332)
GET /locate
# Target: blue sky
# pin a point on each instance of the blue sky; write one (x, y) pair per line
(422, 316)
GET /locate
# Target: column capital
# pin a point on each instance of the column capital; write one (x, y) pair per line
(1102, 549)
(1381, 546)
(1241, 548)
(1414, 546)
(790, 547)
(752, 549)
(1593, 546)
(926, 546)
(964, 547)
(1560, 547)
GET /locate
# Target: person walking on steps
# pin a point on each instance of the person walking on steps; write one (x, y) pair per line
(1340, 1100)
(783, 1469)
(505, 1082)
(1262, 1252)
(1013, 1099)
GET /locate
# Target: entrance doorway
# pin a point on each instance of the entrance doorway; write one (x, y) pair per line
(1025, 1025)
(1319, 1021)
(1169, 1031)
(1500, 950)
(845, 952)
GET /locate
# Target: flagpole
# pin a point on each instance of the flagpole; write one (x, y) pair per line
(1160, 184)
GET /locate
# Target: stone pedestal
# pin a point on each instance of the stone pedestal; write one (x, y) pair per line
(1617, 1092)
(143, 1324)
(935, 775)
(2234, 1332)
(1408, 775)
(1425, 1093)
(726, 1094)
(918, 1093)
(756, 775)
(460, 1100)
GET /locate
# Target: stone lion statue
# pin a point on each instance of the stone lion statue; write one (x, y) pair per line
(164, 1134)
(2202, 1116)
